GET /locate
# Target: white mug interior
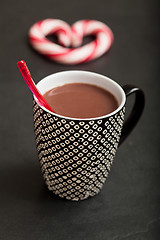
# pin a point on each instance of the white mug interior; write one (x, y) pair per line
(66, 77)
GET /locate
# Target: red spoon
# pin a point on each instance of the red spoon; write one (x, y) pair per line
(29, 81)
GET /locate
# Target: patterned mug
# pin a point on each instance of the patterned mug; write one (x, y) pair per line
(76, 154)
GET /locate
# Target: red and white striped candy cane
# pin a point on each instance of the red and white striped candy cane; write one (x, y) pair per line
(71, 36)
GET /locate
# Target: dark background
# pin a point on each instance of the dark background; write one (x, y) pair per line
(128, 206)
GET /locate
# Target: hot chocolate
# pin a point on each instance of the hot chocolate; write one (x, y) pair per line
(80, 100)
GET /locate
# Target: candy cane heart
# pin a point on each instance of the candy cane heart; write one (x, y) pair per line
(70, 51)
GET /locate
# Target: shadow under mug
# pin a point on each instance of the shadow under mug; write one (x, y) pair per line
(76, 154)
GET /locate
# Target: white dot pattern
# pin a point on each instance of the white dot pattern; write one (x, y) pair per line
(76, 156)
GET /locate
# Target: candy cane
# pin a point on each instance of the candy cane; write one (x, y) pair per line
(71, 36)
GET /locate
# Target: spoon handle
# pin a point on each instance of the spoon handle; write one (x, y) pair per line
(30, 83)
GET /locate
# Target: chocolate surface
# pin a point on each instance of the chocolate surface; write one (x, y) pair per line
(81, 100)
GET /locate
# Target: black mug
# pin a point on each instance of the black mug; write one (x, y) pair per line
(76, 154)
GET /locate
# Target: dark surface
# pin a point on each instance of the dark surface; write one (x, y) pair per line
(128, 205)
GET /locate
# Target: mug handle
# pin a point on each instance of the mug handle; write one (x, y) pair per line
(136, 111)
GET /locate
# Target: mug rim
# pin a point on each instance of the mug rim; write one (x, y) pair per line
(90, 73)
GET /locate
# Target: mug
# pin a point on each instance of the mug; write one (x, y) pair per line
(75, 154)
